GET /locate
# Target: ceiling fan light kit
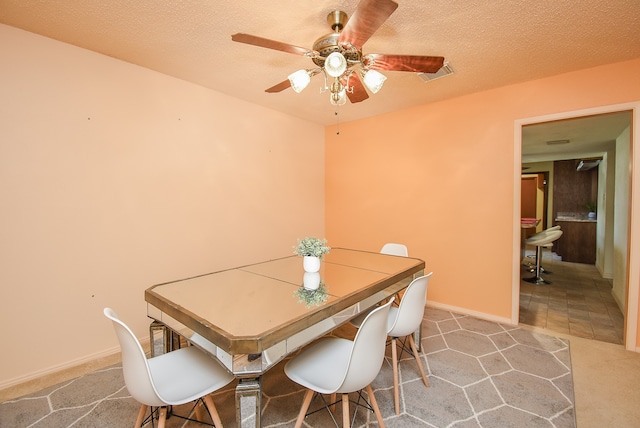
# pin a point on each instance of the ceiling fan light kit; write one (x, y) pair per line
(299, 80)
(335, 65)
(338, 98)
(338, 55)
(373, 80)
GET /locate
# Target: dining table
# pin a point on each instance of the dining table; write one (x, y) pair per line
(252, 317)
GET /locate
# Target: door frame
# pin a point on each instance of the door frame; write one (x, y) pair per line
(633, 249)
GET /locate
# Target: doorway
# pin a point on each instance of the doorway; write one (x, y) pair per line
(632, 264)
(533, 199)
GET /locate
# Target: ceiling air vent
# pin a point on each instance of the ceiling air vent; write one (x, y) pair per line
(554, 142)
(445, 70)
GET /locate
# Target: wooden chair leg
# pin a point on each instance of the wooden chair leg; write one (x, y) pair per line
(332, 399)
(305, 406)
(162, 412)
(141, 413)
(212, 409)
(417, 356)
(374, 404)
(394, 363)
(345, 410)
(198, 411)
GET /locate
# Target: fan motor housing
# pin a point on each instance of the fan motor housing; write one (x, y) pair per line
(328, 43)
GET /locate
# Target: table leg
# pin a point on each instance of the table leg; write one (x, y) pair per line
(249, 402)
(157, 328)
(417, 336)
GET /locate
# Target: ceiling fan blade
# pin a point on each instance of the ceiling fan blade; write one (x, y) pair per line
(268, 43)
(359, 93)
(413, 63)
(367, 18)
(279, 87)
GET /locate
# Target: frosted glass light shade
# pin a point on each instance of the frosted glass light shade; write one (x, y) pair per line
(373, 80)
(335, 64)
(299, 80)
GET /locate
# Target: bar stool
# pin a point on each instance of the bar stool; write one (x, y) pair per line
(539, 240)
(532, 266)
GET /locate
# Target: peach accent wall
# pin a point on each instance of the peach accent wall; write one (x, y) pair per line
(440, 178)
(114, 178)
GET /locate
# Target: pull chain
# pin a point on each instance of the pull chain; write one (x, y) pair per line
(337, 123)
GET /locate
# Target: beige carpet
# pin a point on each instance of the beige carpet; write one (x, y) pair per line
(482, 374)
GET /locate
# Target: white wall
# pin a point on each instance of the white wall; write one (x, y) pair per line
(621, 217)
(114, 178)
(606, 203)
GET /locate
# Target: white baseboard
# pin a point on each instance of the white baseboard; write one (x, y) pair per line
(605, 275)
(475, 314)
(619, 302)
(73, 364)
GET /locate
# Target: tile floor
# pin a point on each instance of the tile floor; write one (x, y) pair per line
(606, 376)
(578, 301)
(481, 374)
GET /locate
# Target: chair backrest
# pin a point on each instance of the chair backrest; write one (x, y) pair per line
(367, 352)
(408, 315)
(137, 376)
(395, 249)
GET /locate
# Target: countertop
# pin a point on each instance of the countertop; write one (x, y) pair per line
(583, 218)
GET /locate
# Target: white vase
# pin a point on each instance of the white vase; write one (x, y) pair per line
(311, 280)
(311, 263)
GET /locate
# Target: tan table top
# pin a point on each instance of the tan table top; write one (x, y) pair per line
(248, 309)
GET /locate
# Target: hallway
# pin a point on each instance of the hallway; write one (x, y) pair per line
(578, 301)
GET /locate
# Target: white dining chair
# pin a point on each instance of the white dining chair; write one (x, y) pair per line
(403, 321)
(394, 249)
(170, 379)
(335, 365)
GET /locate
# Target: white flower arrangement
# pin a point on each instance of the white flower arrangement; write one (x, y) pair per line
(311, 247)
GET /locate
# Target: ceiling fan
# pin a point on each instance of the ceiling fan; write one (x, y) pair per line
(338, 55)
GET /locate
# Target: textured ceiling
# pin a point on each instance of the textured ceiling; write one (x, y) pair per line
(488, 43)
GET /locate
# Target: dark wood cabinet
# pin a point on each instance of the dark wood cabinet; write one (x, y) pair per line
(578, 241)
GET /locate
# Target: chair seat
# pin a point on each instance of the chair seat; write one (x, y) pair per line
(186, 374)
(543, 238)
(335, 365)
(322, 365)
(174, 378)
